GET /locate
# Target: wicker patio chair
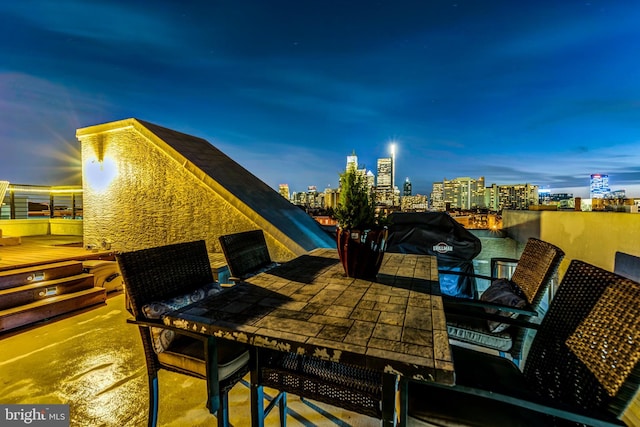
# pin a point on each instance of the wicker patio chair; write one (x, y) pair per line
(161, 278)
(582, 368)
(350, 387)
(475, 321)
(353, 388)
(246, 253)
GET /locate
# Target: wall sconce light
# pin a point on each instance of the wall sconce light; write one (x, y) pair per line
(100, 170)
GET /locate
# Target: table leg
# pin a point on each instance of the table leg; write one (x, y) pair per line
(212, 374)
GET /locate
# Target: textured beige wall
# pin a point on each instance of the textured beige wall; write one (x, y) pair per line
(153, 198)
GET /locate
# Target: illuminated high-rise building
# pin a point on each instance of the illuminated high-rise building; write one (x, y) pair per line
(464, 193)
(385, 173)
(331, 197)
(371, 179)
(599, 186)
(437, 197)
(517, 196)
(406, 188)
(283, 189)
(352, 161)
(384, 182)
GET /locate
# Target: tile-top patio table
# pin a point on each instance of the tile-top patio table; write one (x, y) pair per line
(307, 306)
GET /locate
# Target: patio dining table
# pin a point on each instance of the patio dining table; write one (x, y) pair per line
(395, 324)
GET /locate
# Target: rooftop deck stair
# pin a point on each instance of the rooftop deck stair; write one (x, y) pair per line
(9, 241)
(32, 294)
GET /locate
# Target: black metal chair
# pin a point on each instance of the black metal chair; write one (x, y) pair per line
(161, 278)
(582, 368)
(349, 387)
(493, 325)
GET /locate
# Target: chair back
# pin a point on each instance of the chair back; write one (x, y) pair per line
(536, 267)
(627, 265)
(164, 272)
(552, 367)
(246, 252)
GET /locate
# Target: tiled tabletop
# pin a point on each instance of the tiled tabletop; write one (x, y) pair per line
(308, 306)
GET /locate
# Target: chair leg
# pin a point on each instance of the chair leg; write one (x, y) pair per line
(223, 411)
(153, 401)
(403, 389)
(389, 388)
(282, 406)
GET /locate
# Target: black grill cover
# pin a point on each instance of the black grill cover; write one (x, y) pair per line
(436, 233)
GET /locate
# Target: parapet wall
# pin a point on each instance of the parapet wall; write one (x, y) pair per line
(593, 237)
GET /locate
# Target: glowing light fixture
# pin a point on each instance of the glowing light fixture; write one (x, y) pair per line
(99, 174)
(100, 170)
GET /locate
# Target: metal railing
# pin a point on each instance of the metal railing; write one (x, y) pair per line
(40, 201)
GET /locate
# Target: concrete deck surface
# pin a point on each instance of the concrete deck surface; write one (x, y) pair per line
(93, 361)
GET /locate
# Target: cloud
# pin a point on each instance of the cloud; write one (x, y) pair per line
(38, 118)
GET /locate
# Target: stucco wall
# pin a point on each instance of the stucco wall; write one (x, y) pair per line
(593, 237)
(152, 199)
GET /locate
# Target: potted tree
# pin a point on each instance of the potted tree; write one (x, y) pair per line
(361, 233)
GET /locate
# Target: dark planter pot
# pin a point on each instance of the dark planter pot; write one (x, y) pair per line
(361, 252)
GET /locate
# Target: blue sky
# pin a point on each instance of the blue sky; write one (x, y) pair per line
(542, 92)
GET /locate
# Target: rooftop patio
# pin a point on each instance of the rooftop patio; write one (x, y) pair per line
(93, 360)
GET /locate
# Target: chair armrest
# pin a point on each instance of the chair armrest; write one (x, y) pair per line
(152, 323)
(497, 318)
(462, 273)
(458, 304)
(149, 323)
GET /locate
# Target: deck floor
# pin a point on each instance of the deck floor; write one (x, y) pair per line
(43, 249)
(93, 361)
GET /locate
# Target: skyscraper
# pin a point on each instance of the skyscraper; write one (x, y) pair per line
(284, 191)
(437, 197)
(517, 196)
(384, 184)
(352, 161)
(464, 192)
(384, 173)
(406, 188)
(599, 186)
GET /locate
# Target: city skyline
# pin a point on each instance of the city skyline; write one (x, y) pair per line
(533, 92)
(353, 158)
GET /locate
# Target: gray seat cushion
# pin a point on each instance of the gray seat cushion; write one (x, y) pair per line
(475, 331)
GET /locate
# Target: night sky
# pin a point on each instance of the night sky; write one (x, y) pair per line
(531, 91)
